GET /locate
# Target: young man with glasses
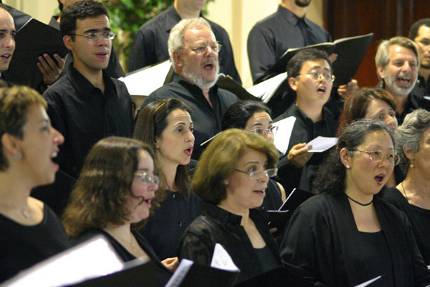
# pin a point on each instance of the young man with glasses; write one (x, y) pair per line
(194, 54)
(310, 77)
(86, 104)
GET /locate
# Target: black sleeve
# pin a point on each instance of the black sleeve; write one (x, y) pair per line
(261, 51)
(196, 246)
(143, 48)
(227, 58)
(307, 249)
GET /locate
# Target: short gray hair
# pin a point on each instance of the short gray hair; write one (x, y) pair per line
(176, 36)
(409, 134)
(381, 57)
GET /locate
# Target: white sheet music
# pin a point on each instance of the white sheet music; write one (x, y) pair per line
(283, 134)
(266, 89)
(92, 258)
(222, 260)
(180, 273)
(321, 144)
(144, 81)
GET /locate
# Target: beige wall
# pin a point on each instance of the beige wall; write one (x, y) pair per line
(239, 16)
(41, 10)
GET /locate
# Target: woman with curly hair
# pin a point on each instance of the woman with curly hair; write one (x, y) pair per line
(113, 193)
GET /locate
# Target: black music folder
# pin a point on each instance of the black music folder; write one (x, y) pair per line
(33, 40)
(137, 274)
(350, 52)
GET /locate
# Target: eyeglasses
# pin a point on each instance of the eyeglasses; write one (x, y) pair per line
(203, 48)
(316, 76)
(264, 132)
(96, 35)
(271, 172)
(147, 178)
(379, 156)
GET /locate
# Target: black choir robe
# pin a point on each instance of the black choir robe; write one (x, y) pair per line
(322, 236)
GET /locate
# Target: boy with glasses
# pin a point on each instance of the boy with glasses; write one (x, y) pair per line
(310, 77)
(86, 105)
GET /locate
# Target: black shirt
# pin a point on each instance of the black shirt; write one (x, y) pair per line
(206, 118)
(84, 115)
(374, 258)
(419, 218)
(150, 43)
(274, 35)
(22, 246)
(217, 225)
(304, 130)
(323, 240)
(164, 228)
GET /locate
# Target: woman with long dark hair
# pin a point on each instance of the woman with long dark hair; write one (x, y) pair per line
(346, 235)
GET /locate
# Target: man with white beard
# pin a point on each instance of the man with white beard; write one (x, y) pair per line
(397, 64)
(193, 51)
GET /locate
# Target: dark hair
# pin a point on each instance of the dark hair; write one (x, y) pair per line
(410, 133)
(79, 11)
(240, 112)
(60, 6)
(355, 106)
(413, 30)
(14, 104)
(331, 174)
(296, 62)
(99, 196)
(219, 160)
(151, 121)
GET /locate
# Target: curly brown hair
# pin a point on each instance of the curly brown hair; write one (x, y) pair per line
(99, 196)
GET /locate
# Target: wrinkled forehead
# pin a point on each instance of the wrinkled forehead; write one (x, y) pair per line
(198, 33)
(397, 52)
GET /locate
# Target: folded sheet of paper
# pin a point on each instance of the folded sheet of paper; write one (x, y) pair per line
(222, 260)
(321, 144)
(283, 133)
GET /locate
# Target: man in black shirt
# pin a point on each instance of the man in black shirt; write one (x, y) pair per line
(310, 76)
(86, 105)
(150, 43)
(420, 33)
(397, 66)
(286, 28)
(194, 51)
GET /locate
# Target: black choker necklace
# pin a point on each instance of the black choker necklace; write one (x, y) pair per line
(358, 202)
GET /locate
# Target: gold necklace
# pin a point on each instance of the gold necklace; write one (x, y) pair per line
(404, 191)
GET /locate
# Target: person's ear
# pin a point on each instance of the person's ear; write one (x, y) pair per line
(11, 147)
(345, 157)
(68, 42)
(380, 71)
(293, 83)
